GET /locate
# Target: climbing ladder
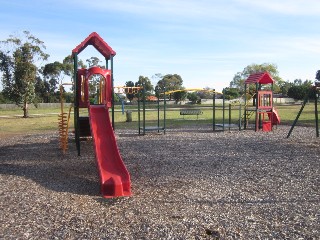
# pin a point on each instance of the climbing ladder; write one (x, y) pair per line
(64, 119)
(247, 115)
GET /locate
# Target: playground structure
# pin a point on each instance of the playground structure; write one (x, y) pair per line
(189, 111)
(142, 96)
(263, 98)
(266, 116)
(315, 92)
(114, 177)
(143, 129)
(124, 89)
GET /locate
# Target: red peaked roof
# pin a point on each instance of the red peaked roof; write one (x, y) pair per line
(263, 78)
(95, 40)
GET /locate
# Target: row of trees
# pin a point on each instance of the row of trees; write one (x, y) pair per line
(24, 82)
(25, 79)
(296, 89)
(166, 83)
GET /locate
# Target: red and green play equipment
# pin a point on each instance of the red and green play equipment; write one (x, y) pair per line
(114, 177)
(266, 115)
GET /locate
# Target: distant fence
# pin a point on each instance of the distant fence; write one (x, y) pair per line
(284, 101)
(203, 101)
(40, 105)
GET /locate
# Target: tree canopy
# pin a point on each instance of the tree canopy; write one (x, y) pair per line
(299, 89)
(145, 81)
(171, 82)
(19, 56)
(240, 77)
(130, 95)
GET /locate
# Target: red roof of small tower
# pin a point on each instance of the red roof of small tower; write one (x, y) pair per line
(95, 40)
(262, 78)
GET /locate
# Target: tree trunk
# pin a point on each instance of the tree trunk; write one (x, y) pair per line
(25, 110)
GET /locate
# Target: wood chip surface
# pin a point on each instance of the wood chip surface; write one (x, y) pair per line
(188, 184)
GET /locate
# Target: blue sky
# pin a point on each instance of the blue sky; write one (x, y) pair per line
(205, 41)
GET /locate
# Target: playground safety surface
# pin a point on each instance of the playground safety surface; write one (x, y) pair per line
(187, 184)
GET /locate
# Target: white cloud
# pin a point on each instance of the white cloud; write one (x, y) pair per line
(291, 7)
(167, 10)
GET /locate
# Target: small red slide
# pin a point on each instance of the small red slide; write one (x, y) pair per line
(275, 117)
(114, 177)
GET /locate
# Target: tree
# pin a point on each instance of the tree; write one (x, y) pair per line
(170, 82)
(129, 95)
(94, 61)
(231, 93)
(6, 67)
(284, 87)
(19, 69)
(94, 81)
(300, 89)
(69, 67)
(206, 94)
(193, 97)
(297, 92)
(146, 83)
(179, 96)
(157, 77)
(53, 74)
(240, 77)
(42, 90)
(318, 75)
(3, 100)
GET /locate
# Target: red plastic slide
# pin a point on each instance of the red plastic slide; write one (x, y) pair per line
(275, 117)
(115, 178)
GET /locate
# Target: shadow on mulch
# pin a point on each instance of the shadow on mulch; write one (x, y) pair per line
(45, 164)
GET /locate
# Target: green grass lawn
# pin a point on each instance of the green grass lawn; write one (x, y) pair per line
(46, 120)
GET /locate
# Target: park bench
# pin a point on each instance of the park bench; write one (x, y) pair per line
(191, 112)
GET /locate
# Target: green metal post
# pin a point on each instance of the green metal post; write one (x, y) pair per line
(245, 107)
(240, 106)
(112, 91)
(158, 115)
(223, 106)
(316, 110)
(76, 103)
(214, 110)
(257, 113)
(164, 111)
(144, 111)
(258, 105)
(139, 124)
(229, 117)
